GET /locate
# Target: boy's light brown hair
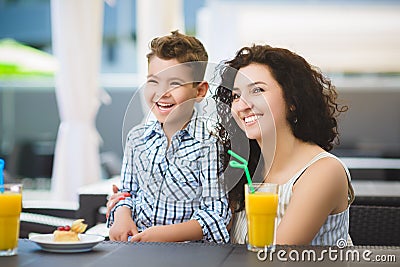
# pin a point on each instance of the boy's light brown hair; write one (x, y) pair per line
(183, 48)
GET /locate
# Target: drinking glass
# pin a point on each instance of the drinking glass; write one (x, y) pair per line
(10, 210)
(261, 211)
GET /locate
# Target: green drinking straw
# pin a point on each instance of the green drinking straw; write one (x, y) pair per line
(1, 176)
(243, 165)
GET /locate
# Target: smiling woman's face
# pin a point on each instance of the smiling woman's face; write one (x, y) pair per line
(258, 105)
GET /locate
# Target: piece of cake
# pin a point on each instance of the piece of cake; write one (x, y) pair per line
(65, 236)
(69, 233)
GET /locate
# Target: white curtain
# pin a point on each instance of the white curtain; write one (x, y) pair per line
(77, 27)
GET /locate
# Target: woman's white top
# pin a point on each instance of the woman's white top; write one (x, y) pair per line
(334, 230)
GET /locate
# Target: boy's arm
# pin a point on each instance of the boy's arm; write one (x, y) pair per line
(124, 226)
(214, 213)
(186, 231)
(128, 182)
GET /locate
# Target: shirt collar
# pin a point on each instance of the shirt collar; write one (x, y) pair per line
(153, 128)
(190, 128)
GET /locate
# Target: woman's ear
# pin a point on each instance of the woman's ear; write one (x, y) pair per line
(202, 89)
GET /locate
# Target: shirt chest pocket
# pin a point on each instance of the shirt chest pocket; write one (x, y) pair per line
(182, 181)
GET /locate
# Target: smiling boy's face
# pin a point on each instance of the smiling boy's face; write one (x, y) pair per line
(170, 92)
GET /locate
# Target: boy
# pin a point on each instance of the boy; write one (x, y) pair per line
(171, 166)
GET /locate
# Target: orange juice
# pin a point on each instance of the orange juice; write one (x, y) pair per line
(261, 211)
(10, 210)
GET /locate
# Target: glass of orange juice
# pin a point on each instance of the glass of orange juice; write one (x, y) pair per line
(10, 210)
(261, 211)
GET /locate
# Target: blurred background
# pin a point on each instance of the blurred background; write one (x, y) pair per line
(355, 42)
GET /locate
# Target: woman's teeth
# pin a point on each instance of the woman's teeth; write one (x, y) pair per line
(251, 119)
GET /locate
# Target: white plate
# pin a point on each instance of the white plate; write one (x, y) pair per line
(86, 243)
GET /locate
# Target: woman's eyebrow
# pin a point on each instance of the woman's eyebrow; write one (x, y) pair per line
(256, 83)
(235, 89)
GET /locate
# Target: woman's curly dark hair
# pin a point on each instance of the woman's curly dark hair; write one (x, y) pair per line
(310, 97)
(234, 138)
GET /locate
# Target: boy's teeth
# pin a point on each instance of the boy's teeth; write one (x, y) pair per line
(164, 105)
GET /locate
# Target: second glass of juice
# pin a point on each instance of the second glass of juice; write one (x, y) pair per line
(10, 210)
(261, 211)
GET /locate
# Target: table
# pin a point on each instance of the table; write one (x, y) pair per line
(197, 254)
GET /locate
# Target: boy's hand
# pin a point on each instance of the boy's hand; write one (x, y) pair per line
(113, 200)
(123, 225)
(153, 234)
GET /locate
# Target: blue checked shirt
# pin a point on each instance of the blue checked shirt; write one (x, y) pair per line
(175, 184)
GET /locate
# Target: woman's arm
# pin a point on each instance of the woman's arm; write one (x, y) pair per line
(320, 191)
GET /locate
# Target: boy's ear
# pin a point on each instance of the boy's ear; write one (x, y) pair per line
(202, 89)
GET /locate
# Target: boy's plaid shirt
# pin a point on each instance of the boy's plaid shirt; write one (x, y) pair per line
(178, 183)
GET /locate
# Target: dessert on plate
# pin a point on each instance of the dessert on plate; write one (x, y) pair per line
(69, 233)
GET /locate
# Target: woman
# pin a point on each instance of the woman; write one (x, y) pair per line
(289, 109)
